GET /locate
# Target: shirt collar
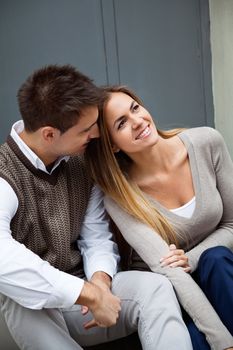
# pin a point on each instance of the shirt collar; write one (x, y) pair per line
(16, 129)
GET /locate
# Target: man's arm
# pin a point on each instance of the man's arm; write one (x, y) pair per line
(24, 276)
(100, 256)
(34, 283)
(99, 251)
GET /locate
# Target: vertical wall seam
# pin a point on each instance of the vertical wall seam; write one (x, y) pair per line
(116, 44)
(200, 36)
(104, 41)
(206, 70)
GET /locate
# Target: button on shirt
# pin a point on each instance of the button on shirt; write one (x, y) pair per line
(33, 282)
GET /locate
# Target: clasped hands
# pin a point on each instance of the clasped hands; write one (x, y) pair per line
(106, 306)
(175, 258)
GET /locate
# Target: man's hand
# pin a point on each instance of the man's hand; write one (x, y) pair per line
(97, 297)
(175, 258)
(101, 279)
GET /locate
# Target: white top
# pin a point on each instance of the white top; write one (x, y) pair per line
(187, 209)
(33, 282)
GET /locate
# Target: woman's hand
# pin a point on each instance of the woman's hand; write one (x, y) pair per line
(175, 258)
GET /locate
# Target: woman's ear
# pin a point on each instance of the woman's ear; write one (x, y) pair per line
(115, 149)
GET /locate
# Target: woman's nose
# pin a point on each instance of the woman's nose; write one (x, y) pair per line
(137, 121)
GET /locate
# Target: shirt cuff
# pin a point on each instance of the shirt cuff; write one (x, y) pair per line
(110, 268)
(66, 291)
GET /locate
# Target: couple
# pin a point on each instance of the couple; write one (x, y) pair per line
(58, 282)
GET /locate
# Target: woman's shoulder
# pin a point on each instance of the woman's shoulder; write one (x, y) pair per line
(109, 203)
(203, 136)
(201, 131)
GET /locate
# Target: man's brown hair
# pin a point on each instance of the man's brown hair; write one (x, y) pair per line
(56, 96)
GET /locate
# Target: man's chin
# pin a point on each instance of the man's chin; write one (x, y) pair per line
(81, 150)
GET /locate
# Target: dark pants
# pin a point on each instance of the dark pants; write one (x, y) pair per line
(214, 275)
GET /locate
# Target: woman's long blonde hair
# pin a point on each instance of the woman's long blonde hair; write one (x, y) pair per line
(110, 171)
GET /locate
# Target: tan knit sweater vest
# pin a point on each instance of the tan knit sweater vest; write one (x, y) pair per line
(51, 207)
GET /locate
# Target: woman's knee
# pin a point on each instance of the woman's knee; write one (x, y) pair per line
(215, 255)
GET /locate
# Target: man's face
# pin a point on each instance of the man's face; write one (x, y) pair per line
(74, 141)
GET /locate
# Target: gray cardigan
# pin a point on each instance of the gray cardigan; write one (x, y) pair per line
(210, 225)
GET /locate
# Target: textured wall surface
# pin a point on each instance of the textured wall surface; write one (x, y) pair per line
(221, 29)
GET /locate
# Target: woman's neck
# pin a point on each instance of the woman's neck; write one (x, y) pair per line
(159, 159)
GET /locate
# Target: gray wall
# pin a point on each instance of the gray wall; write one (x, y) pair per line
(221, 24)
(160, 48)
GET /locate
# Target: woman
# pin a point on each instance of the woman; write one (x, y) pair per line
(171, 196)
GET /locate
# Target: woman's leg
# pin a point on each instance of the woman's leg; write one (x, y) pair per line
(198, 339)
(215, 277)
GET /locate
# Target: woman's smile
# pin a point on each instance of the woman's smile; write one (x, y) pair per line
(144, 133)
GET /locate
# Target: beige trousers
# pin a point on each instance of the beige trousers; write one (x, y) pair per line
(149, 306)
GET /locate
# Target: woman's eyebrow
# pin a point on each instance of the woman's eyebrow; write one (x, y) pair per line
(131, 106)
(120, 118)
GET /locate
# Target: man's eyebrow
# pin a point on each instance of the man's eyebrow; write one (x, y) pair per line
(122, 117)
(89, 127)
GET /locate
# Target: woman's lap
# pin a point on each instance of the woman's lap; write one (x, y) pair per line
(214, 275)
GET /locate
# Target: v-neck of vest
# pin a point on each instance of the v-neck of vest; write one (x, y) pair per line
(51, 178)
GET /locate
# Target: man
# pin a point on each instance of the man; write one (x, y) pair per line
(47, 205)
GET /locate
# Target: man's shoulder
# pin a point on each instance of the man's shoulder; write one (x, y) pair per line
(5, 157)
(4, 148)
(78, 170)
(77, 163)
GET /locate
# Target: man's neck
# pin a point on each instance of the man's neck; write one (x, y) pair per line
(31, 139)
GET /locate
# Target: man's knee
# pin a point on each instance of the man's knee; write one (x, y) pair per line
(159, 284)
(135, 283)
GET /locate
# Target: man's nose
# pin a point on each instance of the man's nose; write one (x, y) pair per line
(94, 132)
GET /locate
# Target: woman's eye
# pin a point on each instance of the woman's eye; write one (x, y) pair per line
(121, 124)
(136, 107)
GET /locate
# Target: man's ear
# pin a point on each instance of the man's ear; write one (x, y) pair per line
(49, 134)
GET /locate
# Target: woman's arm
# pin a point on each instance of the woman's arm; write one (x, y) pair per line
(223, 167)
(151, 248)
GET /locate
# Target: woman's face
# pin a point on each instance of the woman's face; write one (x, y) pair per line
(130, 125)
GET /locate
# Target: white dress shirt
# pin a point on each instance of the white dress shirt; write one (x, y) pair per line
(33, 282)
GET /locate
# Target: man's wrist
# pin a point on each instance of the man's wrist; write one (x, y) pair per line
(89, 294)
(101, 277)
